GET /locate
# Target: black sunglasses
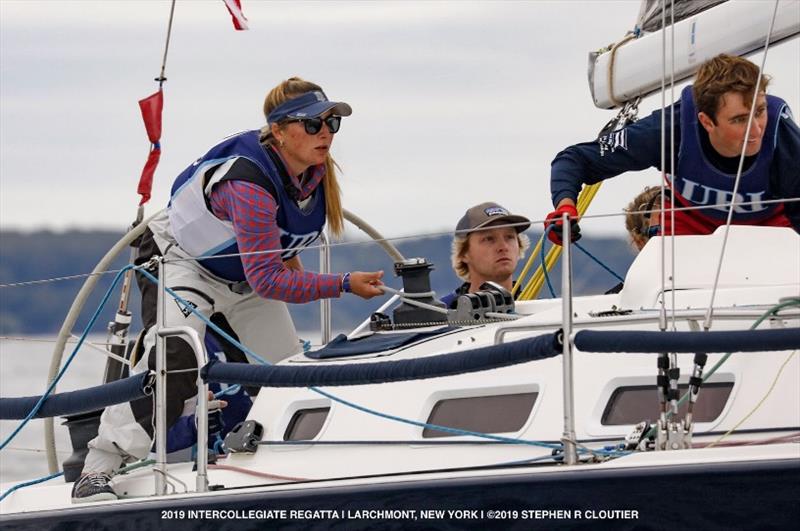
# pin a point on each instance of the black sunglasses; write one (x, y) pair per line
(314, 125)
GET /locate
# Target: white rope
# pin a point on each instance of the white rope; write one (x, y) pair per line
(102, 350)
(403, 294)
(404, 297)
(710, 310)
(502, 316)
(611, 64)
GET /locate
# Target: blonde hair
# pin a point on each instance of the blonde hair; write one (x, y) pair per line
(460, 247)
(637, 215)
(288, 89)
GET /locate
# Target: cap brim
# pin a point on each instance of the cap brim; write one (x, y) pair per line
(321, 107)
(506, 220)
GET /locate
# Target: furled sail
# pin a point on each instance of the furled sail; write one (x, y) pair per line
(703, 29)
(650, 12)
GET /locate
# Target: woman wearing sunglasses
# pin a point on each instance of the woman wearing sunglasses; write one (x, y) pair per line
(237, 219)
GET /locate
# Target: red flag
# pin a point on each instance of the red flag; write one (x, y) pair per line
(235, 9)
(151, 108)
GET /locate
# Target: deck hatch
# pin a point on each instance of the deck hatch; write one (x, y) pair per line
(485, 414)
(306, 424)
(635, 403)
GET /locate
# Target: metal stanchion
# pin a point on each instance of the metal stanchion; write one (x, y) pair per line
(161, 387)
(570, 450)
(324, 303)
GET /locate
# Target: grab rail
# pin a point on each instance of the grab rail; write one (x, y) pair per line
(608, 321)
(201, 415)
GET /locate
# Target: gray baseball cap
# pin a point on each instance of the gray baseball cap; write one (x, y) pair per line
(489, 213)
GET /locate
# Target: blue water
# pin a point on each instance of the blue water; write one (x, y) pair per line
(23, 372)
(24, 365)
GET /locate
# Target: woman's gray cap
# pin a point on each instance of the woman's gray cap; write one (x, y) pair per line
(490, 213)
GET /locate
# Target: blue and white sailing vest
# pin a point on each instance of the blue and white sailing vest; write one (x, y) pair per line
(698, 182)
(200, 233)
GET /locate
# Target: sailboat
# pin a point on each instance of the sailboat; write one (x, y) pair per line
(518, 414)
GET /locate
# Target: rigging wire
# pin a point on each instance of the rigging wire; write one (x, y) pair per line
(773, 311)
(672, 161)
(161, 77)
(662, 324)
(57, 279)
(710, 310)
(398, 238)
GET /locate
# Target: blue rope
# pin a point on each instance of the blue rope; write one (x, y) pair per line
(218, 445)
(228, 391)
(601, 264)
(60, 374)
(206, 320)
(454, 431)
(342, 401)
(29, 483)
(544, 267)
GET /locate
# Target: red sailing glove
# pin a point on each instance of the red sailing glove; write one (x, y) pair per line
(553, 220)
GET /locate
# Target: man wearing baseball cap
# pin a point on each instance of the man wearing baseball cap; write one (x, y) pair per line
(487, 246)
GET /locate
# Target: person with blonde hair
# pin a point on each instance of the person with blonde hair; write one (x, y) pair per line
(488, 244)
(237, 219)
(711, 137)
(642, 216)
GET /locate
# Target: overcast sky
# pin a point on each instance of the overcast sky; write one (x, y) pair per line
(454, 102)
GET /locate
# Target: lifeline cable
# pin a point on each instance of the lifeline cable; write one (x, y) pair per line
(334, 398)
(63, 370)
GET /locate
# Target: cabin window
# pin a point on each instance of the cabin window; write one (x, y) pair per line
(633, 404)
(306, 424)
(484, 414)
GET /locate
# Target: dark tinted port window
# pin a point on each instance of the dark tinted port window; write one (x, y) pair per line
(631, 405)
(484, 414)
(306, 424)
